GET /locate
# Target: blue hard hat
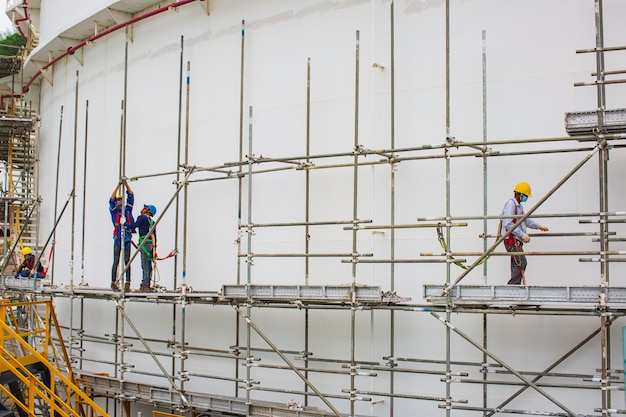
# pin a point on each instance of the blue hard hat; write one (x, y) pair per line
(151, 208)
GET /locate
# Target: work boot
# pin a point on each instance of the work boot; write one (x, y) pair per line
(145, 288)
(114, 286)
(127, 286)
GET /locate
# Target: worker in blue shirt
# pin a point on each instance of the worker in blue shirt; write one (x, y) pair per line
(148, 249)
(514, 242)
(115, 208)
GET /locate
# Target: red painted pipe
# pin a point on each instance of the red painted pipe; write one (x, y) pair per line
(25, 7)
(73, 49)
(5, 96)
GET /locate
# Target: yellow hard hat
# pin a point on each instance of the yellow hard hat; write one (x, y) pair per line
(523, 188)
(26, 251)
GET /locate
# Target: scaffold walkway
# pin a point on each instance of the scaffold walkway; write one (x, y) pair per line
(162, 396)
(526, 295)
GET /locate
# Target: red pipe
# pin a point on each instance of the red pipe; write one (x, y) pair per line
(25, 7)
(5, 96)
(73, 49)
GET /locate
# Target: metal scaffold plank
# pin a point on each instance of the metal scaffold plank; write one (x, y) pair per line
(331, 293)
(585, 123)
(471, 294)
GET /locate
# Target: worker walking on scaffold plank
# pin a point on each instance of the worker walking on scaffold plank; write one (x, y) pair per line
(115, 207)
(514, 242)
(147, 243)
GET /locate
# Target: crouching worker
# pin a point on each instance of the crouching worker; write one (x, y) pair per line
(26, 267)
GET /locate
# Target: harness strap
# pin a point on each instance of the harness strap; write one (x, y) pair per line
(444, 246)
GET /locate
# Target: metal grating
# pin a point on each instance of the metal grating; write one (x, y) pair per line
(343, 293)
(472, 294)
(10, 282)
(585, 123)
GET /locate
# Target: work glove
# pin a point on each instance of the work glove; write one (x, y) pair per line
(543, 229)
(525, 238)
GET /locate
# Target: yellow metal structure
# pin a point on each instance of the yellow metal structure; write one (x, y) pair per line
(39, 363)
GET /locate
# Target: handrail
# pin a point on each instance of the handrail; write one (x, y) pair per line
(71, 400)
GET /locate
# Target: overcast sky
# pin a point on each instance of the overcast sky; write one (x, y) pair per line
(5, 22)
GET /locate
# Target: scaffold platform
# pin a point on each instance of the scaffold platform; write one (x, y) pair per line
(300, 294)
(111, 387)
(586, 122)
(326, 293)
(522, 294)
(21, 283)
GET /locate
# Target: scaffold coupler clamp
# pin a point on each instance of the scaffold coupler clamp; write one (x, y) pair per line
(304, 356)
(251, 361)
(183, 354)
(125, 367)
(248, 384)
(125, 347)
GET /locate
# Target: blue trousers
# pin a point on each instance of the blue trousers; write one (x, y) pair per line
(146, 263)
(117, 249)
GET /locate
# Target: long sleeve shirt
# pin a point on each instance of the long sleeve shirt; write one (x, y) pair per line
(143, 223)
(513, 208)
(28, 264)
(116, 214)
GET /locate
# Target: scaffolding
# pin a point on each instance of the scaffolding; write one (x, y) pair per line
(593, 135)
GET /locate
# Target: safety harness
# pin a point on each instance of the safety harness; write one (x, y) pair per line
(510, 239)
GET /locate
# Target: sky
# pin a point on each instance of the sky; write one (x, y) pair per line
(5, 22)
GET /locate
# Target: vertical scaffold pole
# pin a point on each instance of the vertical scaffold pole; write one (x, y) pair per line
(74, 161)
(82, 255)
(73, 217)
(82, 252)
(307, 198)
(355, 213)
(185, 212)
(448, 265)
(249, 358)
(240, 192)
(603, 156)
(177, 208)
(485, 210)
(392, 197)
(56, 194)
(178, 151)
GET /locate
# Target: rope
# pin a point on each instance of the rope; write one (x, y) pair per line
(45, 271)
(444, 246)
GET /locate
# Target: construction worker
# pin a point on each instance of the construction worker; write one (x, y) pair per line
(115, 207)
(148, 250)
(28, 264)
(515, 241)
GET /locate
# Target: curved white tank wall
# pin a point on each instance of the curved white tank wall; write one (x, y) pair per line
(531, 69)
(58, 15)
